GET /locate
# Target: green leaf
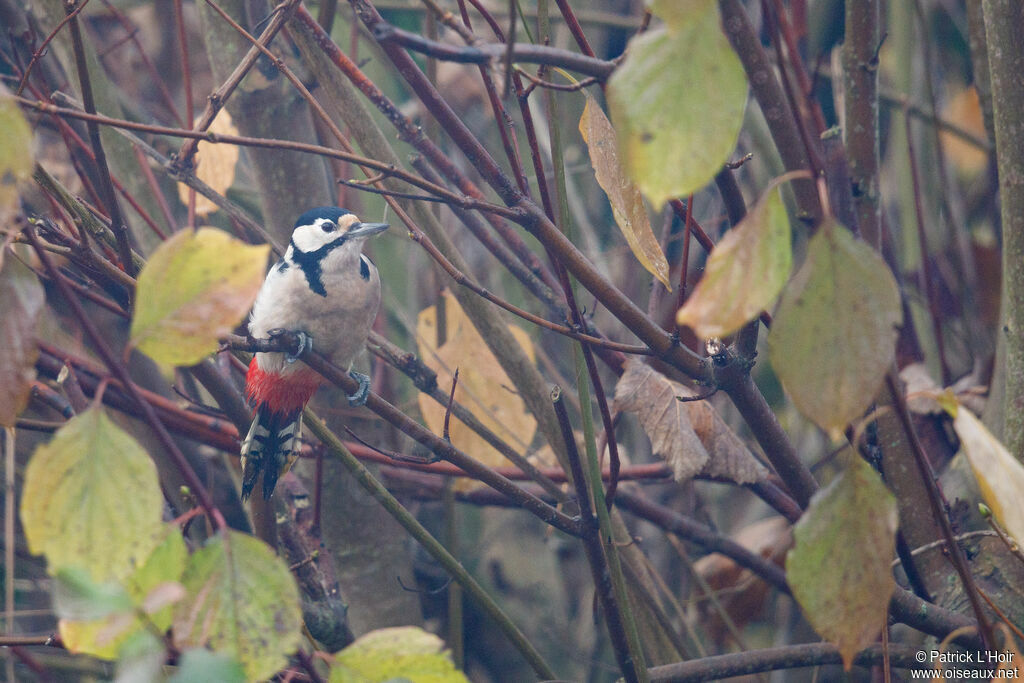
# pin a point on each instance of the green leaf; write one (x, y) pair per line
(834, 335)
(152, 589)
(676, 13)
(840, 569)
(141, 659)
(403, 653)
(203, 666)
(745, 272)
(92, 499)
(195, 288)
(1000, 476)
(624, 196)
(16, 158)
(21, 300)
(677, 102)
(76, 595)
(242, 601)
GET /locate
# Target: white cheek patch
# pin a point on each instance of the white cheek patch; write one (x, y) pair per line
(309, 238)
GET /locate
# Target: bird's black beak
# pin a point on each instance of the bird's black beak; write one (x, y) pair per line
(366, 229)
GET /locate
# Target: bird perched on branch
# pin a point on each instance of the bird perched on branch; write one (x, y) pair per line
(325, 291)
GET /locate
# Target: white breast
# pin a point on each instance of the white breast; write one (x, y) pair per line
(338, 323)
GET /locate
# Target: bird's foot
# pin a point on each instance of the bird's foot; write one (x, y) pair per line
(363, 392)
(305, 342)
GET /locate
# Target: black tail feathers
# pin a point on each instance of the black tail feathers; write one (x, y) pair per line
(269, 448)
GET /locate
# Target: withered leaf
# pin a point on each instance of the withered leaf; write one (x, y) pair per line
(690, 436)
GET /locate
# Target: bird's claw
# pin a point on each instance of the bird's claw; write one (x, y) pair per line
(305, 342)
(363, 392)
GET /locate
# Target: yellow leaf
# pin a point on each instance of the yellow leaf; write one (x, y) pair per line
(965, 108)
(744, 274)
(677, 102)
(483, 388)
(839, 569)
(242, 600)
(16, 158)
(834, 335)
(1000, 476)
(155, 581)
(403, 653)
(215, 164)
(92, 500)
(195, 288)
(624, 196)
(678, 12)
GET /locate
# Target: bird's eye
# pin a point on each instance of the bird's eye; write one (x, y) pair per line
(328, 226)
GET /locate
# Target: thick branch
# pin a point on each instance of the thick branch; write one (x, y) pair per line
(860, 84)
(776, 658)
(1003, 19)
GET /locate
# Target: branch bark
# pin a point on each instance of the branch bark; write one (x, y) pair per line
(1003, 18)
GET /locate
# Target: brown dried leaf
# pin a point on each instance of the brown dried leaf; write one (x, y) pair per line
(646, 392)
(21, 300)
(623, 194)
(215, 164)
(730, 457)
(741, 593)
(690, 436)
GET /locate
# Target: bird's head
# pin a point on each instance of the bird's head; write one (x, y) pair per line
(331, 227)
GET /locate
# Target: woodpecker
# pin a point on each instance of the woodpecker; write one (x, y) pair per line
(326, 291)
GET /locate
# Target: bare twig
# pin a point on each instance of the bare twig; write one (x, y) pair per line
(41, 50)
(484, 54)
(445, 434)
(117, 223)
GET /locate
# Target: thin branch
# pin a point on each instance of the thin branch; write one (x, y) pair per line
(486, 53)
(117, 222)
(38, 53)
(445, 433)
(266, 143)
(927, 275)
(594, 547)
(562, 87)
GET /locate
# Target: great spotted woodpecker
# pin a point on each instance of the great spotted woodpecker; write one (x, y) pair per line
(326, 291)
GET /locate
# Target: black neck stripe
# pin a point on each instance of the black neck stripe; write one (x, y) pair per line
(311, 263)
